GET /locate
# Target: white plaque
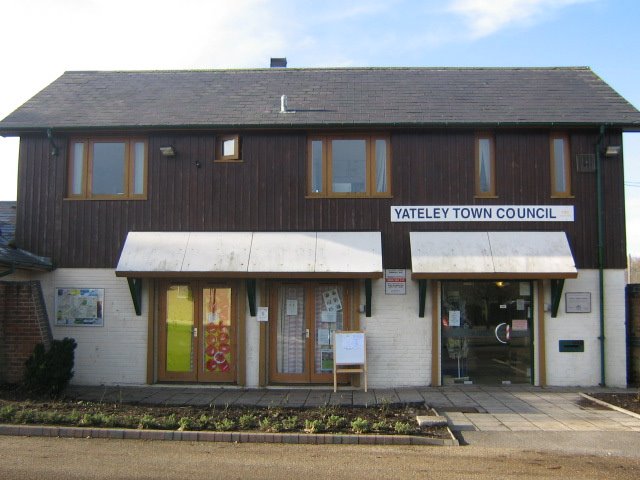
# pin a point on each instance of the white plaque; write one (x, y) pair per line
(263, 314)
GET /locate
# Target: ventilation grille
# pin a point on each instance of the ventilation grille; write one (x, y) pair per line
(586, 162)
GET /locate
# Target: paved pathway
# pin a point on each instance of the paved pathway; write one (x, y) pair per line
(467, 408)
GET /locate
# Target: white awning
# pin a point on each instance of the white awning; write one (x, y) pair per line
(524, 255)
(252, 254)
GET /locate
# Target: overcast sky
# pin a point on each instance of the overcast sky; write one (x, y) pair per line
(44, 38)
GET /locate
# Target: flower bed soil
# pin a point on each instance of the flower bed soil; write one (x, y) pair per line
(18, 407)
(628, 401)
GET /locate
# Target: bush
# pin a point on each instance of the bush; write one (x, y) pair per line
(50, 371)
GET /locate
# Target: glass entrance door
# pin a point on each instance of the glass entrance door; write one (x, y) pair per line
(305, 315)
(486, 332)
(197, 333)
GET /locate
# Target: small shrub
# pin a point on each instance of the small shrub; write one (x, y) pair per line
(403, 428)
(50, 371)
(265, 424)
(7, 413)
(185, 423)
(203, 421)
(248, 421)
(290, 423)
(147, 421)
(360, 425)
(170, 422)
(381, 426)
(26, 416)
(336, 422)
(313, 426)
(225, 425)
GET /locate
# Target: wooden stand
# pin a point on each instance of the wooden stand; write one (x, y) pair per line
(349, 355)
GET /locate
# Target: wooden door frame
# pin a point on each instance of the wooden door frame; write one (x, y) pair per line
(237, 347)
(309, 376)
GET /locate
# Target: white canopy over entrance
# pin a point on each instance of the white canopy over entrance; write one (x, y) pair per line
(252, 254)
(523, 255)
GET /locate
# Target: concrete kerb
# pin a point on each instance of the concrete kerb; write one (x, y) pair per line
(605, 404)
(229, 437)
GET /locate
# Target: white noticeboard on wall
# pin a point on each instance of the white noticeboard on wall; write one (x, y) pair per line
(349, 349)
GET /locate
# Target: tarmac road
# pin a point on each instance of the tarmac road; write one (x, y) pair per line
(66, 458)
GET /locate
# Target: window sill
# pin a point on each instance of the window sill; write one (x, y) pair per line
(228, 160)
(563, 196)
(356, 197)
(480, 197)
(93, 199)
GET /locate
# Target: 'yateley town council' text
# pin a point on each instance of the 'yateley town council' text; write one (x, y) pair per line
(474, 213)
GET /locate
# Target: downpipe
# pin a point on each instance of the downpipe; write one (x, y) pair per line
(600, 221)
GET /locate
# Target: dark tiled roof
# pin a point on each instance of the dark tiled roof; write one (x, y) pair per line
(325, 97)
(10, 256)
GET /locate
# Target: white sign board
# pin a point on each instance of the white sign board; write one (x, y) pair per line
(349, 348)
(482, 213)
(395, 281)
(578, 302)
(263, 314)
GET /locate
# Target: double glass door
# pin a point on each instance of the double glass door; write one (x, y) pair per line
(197, 332)
(487, 332)
(303, 318)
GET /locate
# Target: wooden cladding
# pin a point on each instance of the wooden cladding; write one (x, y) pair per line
(268, 191)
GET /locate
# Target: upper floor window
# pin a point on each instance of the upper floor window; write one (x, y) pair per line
(349, 166)
(485, 165)
(228, 148)
(108, 168)
(560, 165)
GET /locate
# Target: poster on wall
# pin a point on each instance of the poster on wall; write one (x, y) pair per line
(79, 307)
(395, 281)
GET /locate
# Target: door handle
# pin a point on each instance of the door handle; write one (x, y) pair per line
(195, 332)
(306, 333)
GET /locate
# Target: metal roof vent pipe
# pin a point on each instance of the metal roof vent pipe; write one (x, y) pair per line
(283, 104)
(279, 62)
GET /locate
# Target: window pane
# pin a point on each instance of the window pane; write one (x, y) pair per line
(78, 167)
(108, 168)
(485, 165)
(316, 166)
(229, 148)
(218, 337)
(559, 166)
(179, 327)
(381, 166)
(138, 168)
(291, 330)
(329, 318)
(349, 165)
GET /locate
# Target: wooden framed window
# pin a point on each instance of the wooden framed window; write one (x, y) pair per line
(228, 148)
(485, 165)
(108, 168)
(560, 165)
(349, 166)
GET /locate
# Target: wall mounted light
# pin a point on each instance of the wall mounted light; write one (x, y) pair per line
(612, 151)
(168, 151)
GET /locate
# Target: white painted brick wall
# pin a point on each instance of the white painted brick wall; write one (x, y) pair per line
(115, 353)
(398, 341)
(583, 368)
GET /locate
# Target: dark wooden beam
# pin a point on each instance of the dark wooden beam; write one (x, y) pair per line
(367, 296)
(135, 287)
(422, 297)
(251, 296)
(556, 295)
